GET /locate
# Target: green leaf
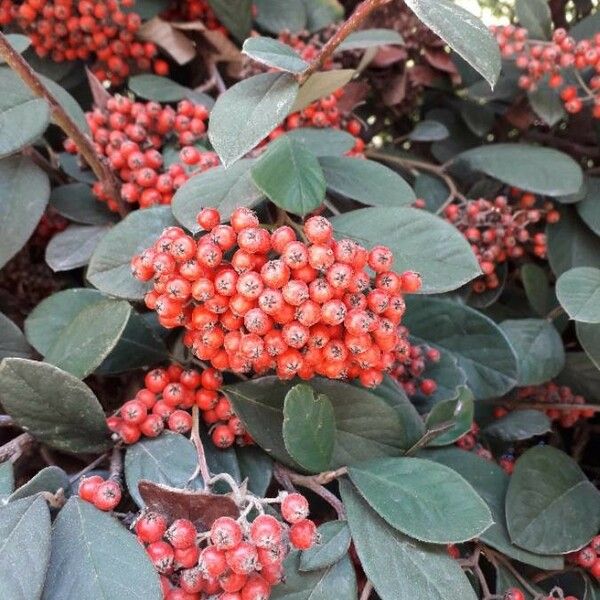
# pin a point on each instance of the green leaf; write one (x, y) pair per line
(589, 207)
(366, 181)
(76, 202)
(73, 247)
(290, 175)
(309, 428)
(366, 425)
(54, 406)
(370, 38)
(247, 112)
(422, 499)
(24, 192)
(69, 104)
(221, 188)
(546, 103)
(274, 53)
(82, 562)
(459, 410)
(397, 564)
(535, 16)
(159, 89)
(89, 338)
(24, 548)
(50, 479)
(256, 466)
(335, 541)
(431, 189)
(337, 581)
(479, 345)
(463, 32)
(7, 480)
(19, 42)
(322, 13)
(539, 349)
(169, 459)
(581, 375)
(578, 292)
(551, 506)
(491, 482)
(69, 163)
(236, 15)
(537, 288)
(532, 168)
(420, 241)
(519, 425)
(429, 131)
(571, 244)
(109, 269)
(12, 341)
(321, 84)
(278, 15)
(588, 335)
(23, 117)
(323, 142)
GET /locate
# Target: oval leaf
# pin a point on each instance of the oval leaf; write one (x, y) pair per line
(370, 38)
(12, 341)
(588, 335)
(309, 428)
(589, 207)
(82, 562)
(278, 15)
(429, 131)
(248, 112)
(519, 425)
(73, 247)
(321, 84)
(323, 142)
(159, 89)
(236, 16)
(76, 202)
(50, 479)
(422, 499)
(535, 16)
(578, 291)
(54, 406)
(551, 507)
(274, 53)
(420, 241)
(459, 411)
(335, 541)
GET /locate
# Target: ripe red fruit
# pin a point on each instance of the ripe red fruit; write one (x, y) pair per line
(242, 559)
(226, 533)
(181, 533)
(514, 594)
(212, 562)
(88, 487)
(134, 412)
(265, 531)
(107, 495)
(162, 556)
(303, 534)
(256, 588)
(150, 527)
(294, 508)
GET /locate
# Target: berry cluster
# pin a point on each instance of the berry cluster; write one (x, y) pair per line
(410, 365)
(499, 230)
(541, 59)
(50, 224)
(166, 400)
(313, 309)
(131, 136)
(234, 560)
(95, 30)
(515, 593)
(194, 10)
(471, 443)
(103, 494)
(588, 558)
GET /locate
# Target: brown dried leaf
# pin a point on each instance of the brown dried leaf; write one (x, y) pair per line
(99, 93)
(423, 75)
(169, 38)
(440, 59)
(202, 508)
(520, 116)
(355, 93)
(223, 49)
(388, 56)
(395, 90)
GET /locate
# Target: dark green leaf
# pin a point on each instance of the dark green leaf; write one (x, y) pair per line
(537, 288)
(322, 13)
(546, 103)
(519, 425)
(431, 189)
(422, 499)
(109, 269)
(148, 8)
(256, 466)
(397, 564)
(459, 411)
(571, 244)
(366, 181)
(248, 112)
(420, 241)
(18, 41)
(335, 541)
(89, 338)
(532, 168)
(581, 375)
(323, 142)
(429, 131)
(463, 32)
(69, 104)
(578, 291)
(219, 461)
(24, 192)
(491, 482)
(77, 202)
(12, 340)
(589, 207)
(337, 581)
(290, 175)
(73, 247)
(24, 548)
(479, 345)
(588, 335)
(506, 581)
(479, 118)
(53, 405)
(23, 117)
(168, 459)
(551, 506)
(535, 16)
(160, 89)
(539, 349)
(274, 53)
(278, 15)
(82, 562)
(70, 164)
(370, 38)
(321, 84)
(50, 479)
(7, 480)
(309, 427)
(236, 15)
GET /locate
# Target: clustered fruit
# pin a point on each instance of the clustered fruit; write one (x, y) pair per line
(103, 494)
(410, 366)
(166, 400)
(131, 135)
(588, 558)
(515, 593)
(234, 560)
(540, 59)
(471, 443)
(278, 303)
(195, 10)
(501, 229)
(95, 30)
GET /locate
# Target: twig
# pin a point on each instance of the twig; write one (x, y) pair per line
(362, 12)
(89, 467)
(366, 591)
(14, 449)
(508, 565)
(116, 463)
(216, 77)
(555, 313)
(331, 206)
(85, 146)
(202, 467)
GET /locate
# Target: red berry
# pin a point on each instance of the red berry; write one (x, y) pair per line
(303, 534)
(88, 487)
(107, 495)
(150, 527)
(226, 533)
(294, 508)
(181, 533)
(162, 556)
